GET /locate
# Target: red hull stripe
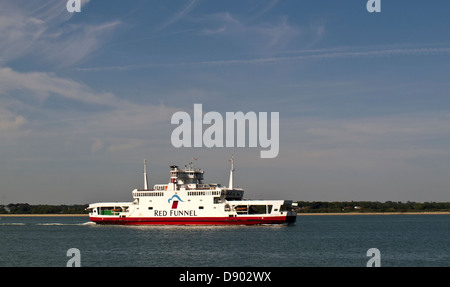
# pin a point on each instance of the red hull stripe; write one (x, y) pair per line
(194, 220)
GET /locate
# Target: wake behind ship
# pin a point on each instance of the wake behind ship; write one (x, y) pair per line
(186, 200)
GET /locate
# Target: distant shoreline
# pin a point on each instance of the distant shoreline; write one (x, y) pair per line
(42, 215)
(378, 213)
(299, 214)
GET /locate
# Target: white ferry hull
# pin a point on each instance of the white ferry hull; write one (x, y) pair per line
(244, 220)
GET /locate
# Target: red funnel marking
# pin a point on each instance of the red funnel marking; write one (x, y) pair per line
(174, 204)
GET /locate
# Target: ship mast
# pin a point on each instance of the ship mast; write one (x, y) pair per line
(230, 185)
(145, 175)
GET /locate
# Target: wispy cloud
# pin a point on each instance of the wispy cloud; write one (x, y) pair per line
(267, 35)
(75, 43)
(9, 120)
(369, 143)
(41, 29)
(214, 31)
(266, 8)
(178, 15)
(40, 85)
(271, 39)
(126, 144)
(323, 54)
(19, 31)
(103, 121)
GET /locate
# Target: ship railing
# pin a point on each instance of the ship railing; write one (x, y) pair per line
(201, 187)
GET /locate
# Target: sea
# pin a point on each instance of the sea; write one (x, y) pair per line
(313, 241)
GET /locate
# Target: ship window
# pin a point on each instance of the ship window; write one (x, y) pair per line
(285, 207)
(150, 208)
(257, 209)
(241, 209)
(200, 207)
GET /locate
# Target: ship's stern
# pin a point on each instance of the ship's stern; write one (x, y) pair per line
(291, 217)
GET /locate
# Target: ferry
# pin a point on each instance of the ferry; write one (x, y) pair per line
(187, 200)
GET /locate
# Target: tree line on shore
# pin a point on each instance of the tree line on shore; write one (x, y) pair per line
(25, 208)
(370, 206)
(303, 207)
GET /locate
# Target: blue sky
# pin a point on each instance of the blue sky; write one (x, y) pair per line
(363, 97)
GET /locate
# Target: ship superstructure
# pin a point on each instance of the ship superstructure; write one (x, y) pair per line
(187, 200)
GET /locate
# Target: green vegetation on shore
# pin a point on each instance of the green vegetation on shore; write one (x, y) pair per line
(25, 208)
(370, 206)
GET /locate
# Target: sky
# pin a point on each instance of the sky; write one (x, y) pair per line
(363, 98)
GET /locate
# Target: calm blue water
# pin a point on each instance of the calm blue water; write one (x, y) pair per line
(403, 240)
